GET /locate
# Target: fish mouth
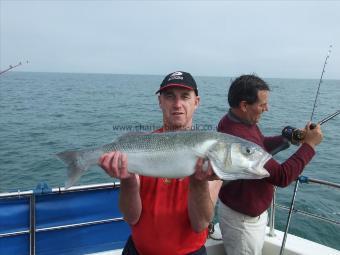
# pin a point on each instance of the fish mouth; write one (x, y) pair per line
(261, 164)
(265, 159)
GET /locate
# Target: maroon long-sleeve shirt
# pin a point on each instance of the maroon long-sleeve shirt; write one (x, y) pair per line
(253, 197)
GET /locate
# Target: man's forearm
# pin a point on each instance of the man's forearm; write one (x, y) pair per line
(275, 143)
(129, 201)
(200, 204)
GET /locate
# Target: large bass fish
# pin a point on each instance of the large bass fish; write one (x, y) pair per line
(174, 155)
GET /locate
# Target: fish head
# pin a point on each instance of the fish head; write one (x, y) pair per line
(239, 160)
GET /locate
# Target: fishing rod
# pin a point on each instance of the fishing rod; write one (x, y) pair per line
(12, 67)
(329, 117)
(296, 136)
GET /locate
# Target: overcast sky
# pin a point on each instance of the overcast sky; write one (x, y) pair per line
(288, 39)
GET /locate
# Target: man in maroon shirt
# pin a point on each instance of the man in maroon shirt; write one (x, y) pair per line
(243, 203)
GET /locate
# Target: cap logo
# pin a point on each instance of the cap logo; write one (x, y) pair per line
(176, 76)
(176, 73)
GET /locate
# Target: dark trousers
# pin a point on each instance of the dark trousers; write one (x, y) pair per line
(130, 249)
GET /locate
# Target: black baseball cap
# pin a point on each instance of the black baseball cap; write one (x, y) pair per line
(178, 79)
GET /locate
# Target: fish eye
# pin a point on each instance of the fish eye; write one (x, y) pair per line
(248, 150)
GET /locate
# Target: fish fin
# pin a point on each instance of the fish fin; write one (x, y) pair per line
(131, 133)
(76, 163)
(135, 133)
(219, 172)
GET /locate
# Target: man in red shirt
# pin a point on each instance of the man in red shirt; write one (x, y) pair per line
(167, 216)
(243, 203)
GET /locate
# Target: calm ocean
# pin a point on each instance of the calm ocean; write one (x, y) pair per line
(44, 113)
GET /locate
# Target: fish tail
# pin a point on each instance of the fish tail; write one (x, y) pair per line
(77, 163)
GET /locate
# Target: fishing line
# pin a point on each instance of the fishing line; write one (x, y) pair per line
(320, 81)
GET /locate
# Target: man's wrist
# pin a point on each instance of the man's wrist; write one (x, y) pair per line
(195, 183)
(130, 181)
(311, 144)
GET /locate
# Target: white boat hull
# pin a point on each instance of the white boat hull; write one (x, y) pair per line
(294, 246)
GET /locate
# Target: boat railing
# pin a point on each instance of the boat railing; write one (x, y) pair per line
(42, 207)
(35, 204)
(291, 209)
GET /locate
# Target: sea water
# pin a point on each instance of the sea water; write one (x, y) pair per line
(45, 113)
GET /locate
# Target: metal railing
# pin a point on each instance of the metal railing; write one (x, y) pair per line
(291, 209)
(31, 195)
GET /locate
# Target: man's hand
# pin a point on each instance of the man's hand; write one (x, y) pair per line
(313, 136)
(115, 164)
(204, 171)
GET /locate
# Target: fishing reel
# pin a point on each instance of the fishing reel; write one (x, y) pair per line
(294, 135)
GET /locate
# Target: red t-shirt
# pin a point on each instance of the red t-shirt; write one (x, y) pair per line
(164, 226)
(253, 197)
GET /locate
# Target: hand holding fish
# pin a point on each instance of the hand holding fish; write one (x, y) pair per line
(204, 171)
(115, 164)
